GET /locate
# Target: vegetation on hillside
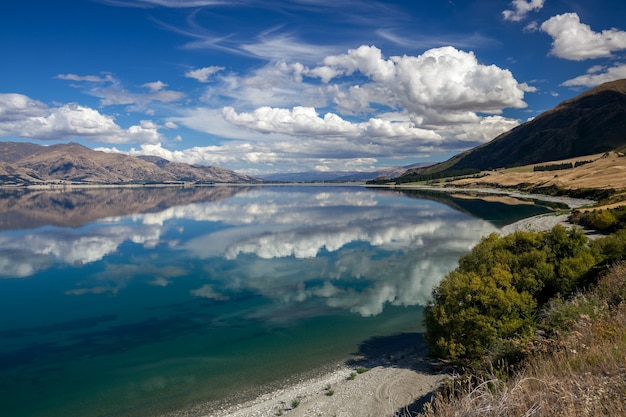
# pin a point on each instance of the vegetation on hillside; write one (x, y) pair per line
(537, 321)
(561, 166)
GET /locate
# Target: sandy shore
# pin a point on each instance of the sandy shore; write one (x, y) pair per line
(393, 378)
(394, 385)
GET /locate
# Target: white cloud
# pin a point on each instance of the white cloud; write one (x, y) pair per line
(273, 46)
(155, 86)
(88, 78)
(300, 121)
(352, 107)
(576, 41)
(521, 8)
(277, 84)
(598, 75)
(439, 85)
(27, 118)
(203, 74)
(305, 121)
(111, 92)
(439, 101)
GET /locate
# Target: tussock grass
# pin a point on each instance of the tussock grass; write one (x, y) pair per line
(577, 369)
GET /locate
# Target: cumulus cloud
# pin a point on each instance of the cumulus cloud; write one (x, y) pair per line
(203, 74)
(597, 75)
(28, 118)
(353, 106)
(440, 81)
(576, 41)
(521, 8)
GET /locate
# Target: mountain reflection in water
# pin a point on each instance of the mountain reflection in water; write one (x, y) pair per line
(212, 290)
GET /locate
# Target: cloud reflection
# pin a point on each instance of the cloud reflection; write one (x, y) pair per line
(358, 257)
(22, 255)
(362, 279)
(307, 248)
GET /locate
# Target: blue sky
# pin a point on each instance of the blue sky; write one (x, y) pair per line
(275, 86)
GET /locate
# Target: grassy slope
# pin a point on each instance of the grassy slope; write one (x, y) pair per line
(606, 172)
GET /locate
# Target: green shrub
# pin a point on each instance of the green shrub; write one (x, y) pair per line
(495, 293)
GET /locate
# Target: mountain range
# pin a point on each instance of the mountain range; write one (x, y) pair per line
(590, 123)
(27, 164)
(338, 176)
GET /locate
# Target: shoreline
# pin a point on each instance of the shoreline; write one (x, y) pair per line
(389, 383)
(571, 202)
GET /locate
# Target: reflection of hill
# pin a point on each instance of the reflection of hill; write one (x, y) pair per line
(498, 213)
(25, 209)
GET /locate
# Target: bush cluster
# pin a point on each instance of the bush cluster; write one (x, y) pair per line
(532, 311)
(577, 371)
(606, 221)
(496, 294)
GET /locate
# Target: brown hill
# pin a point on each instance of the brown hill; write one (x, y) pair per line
(591, 123)
(26, 163)
(603, 171)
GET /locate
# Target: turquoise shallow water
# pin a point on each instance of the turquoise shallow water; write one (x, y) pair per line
(155, 300)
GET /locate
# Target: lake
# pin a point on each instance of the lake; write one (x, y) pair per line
(142, 301)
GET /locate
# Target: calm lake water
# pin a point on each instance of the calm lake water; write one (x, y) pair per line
(137, 302)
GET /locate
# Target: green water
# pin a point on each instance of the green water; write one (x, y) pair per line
(202, 295)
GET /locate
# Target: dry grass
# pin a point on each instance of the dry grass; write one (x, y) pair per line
(606, 172)
(581, 372)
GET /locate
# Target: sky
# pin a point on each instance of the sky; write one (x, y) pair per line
(296, 85)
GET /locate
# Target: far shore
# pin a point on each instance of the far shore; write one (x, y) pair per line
(572, 203)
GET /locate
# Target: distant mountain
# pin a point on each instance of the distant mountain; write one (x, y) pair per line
(337, 176)
(591, 123)
(27, 163)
